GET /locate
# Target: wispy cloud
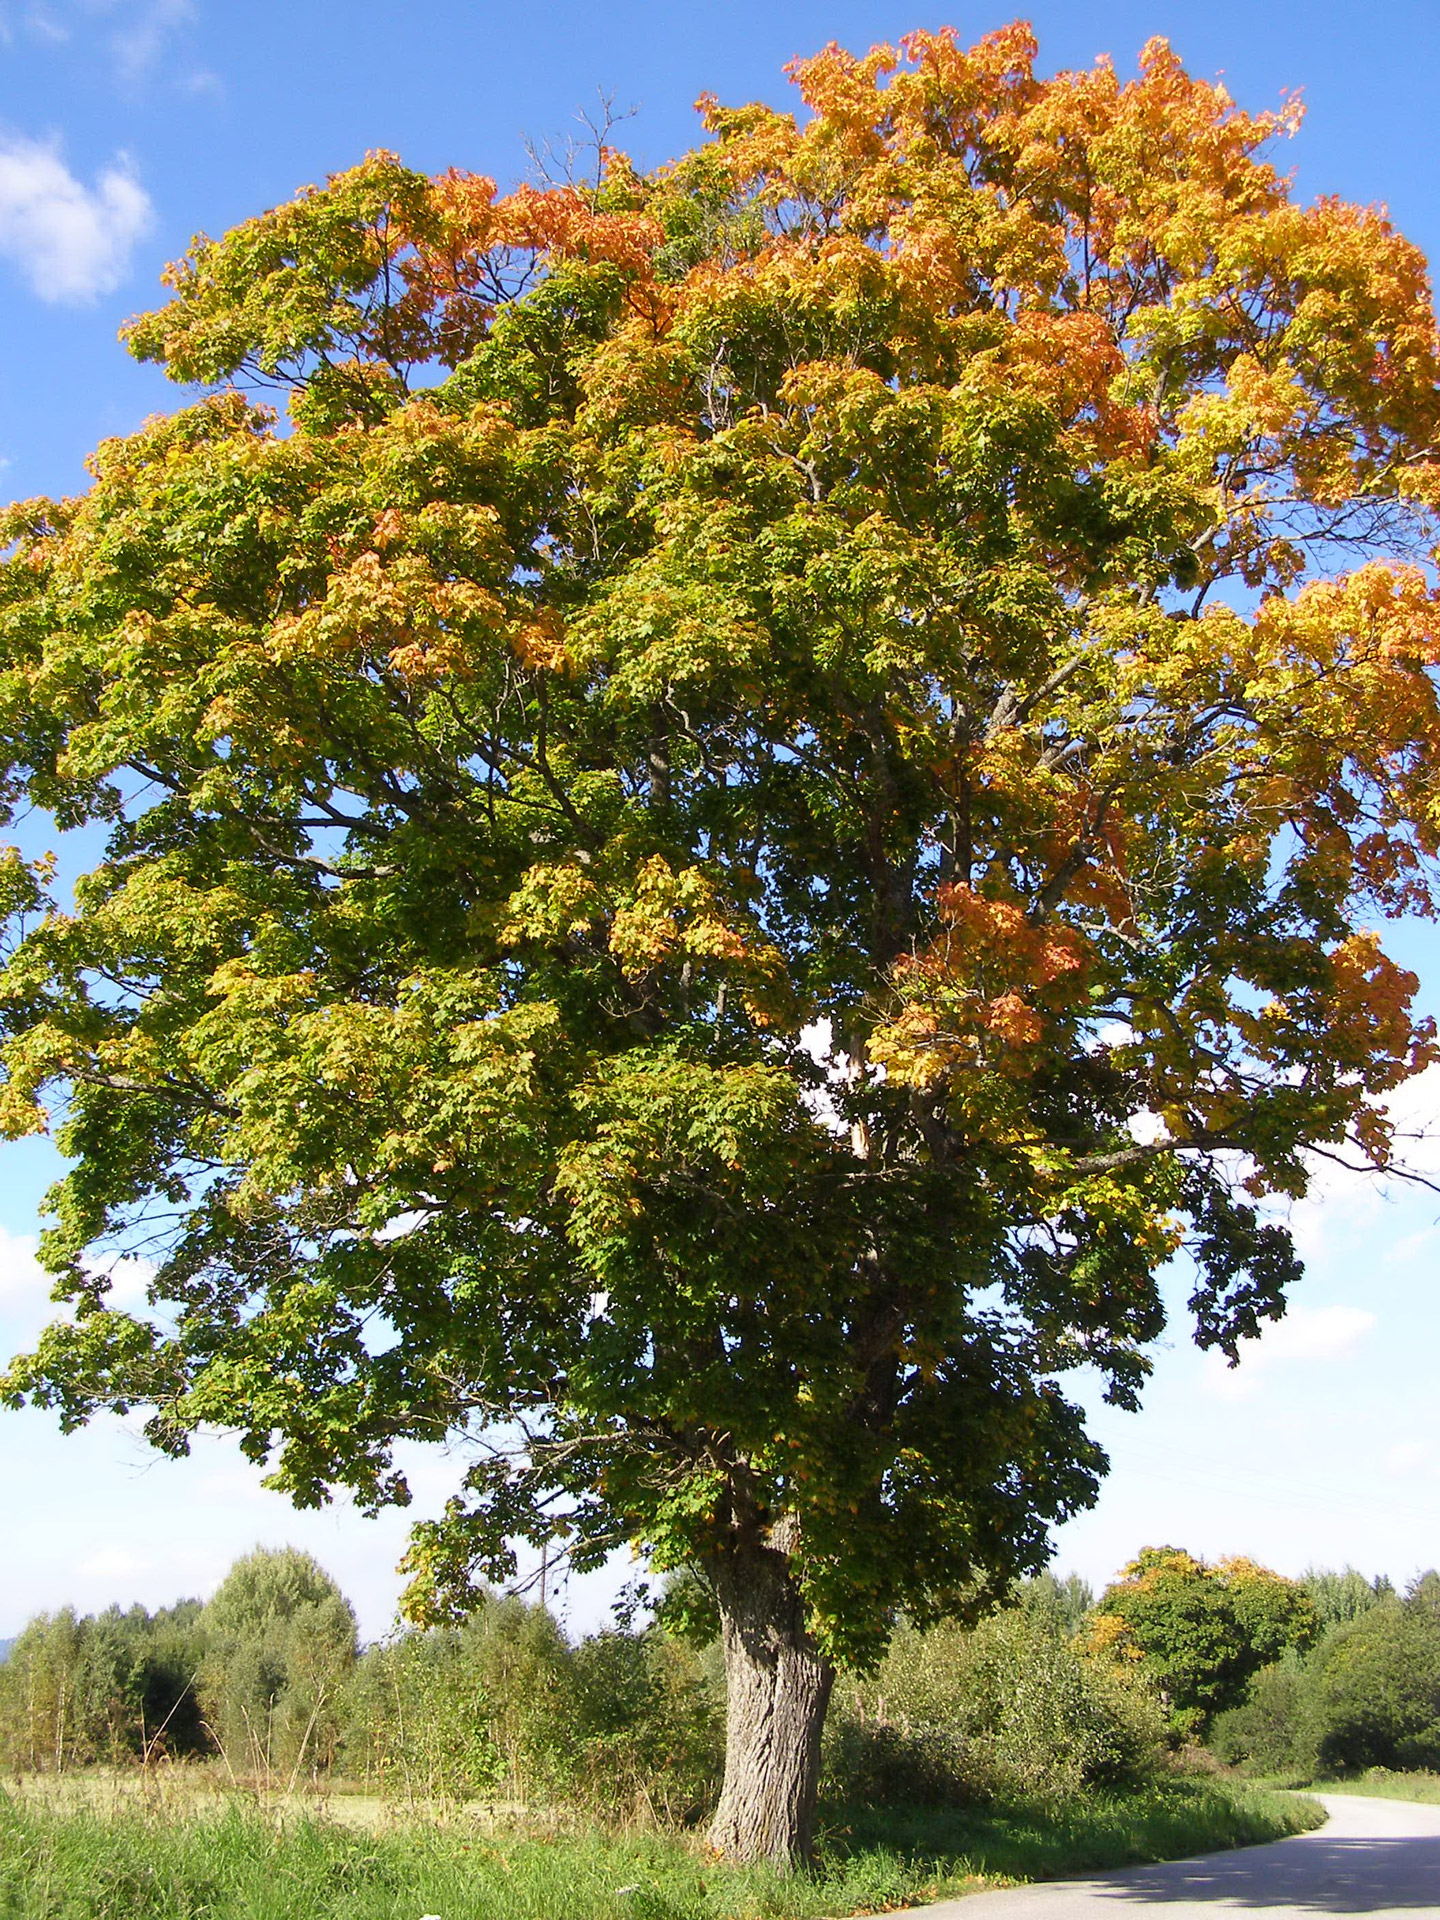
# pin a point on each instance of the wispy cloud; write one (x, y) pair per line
(70, 242)
(144, 34)
(135, 35)
(114, 1563)
(41, 24)
(1306, 1335)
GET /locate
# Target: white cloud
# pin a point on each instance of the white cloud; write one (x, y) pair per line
(71, 242)
(1314, 1333)
(22, 1279)
(129, 1279)
(1306, 1336)
(135, 34)
(1406, 1457)
(20, 1276)
(40, 24)
(25, 1303)
(235, 1486)
(1414, 1245)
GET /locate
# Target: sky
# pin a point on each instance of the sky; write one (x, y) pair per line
(126, 126)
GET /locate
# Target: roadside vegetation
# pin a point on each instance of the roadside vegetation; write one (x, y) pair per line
(1332, 1680)
(239, 1865)
(1380, 1783)
(247, 1757)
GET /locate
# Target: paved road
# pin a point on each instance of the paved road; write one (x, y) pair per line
(1371, 1856)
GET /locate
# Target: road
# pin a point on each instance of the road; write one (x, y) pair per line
(1371, 1856)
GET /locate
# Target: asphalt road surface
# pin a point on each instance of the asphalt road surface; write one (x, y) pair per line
(1371, 1856)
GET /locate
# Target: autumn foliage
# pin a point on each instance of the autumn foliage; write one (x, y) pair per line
(777, 784)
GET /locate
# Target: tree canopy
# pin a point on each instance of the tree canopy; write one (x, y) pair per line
(1202, 1632)
(772, 788)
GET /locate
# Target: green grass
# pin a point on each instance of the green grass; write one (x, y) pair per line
(234, 1865)
(1381, 1784)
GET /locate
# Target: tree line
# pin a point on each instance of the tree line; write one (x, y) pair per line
(1050, 1693)
(1327, 1675)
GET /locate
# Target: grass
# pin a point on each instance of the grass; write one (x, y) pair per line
(1381, 1784)
(78, 1863)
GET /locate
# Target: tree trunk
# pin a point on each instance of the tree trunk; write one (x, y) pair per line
(777, 1689)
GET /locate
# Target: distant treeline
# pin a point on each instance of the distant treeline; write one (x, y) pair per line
(1364, 1693)
(1329, 1674)
(1050, 1692)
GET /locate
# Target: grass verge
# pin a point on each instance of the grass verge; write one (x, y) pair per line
(234, 1865)
(1379, 1783)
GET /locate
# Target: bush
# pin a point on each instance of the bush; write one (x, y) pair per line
(1378, 1693)
(619, 1725)
(417, 1722)
(648, 1726)
(1276, 1732)
(1008, 1706)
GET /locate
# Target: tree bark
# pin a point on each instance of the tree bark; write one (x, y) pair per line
(777, 1690)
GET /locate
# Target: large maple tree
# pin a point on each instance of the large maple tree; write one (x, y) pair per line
(773, 789)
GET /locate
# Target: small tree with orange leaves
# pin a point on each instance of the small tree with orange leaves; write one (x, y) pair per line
(777, 791)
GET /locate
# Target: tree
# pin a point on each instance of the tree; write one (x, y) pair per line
(1367, 1696)
(775, 789)
(280, 1643)
(1202, 1632)
(1060, 1606)
(110, 1686)
(1345, 1595)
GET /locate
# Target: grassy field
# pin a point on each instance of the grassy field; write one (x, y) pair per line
(1380, 1784)
(82, 1862)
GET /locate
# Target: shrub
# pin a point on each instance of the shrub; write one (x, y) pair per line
(648, 1727)
(1008, 1706)
(620, 1724)
(1277, 1729)
(417, 1721)
(1378, 1692)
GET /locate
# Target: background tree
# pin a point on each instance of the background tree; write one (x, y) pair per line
(1367, 1696)
(112, 1687)
(279, 1645)
(1060, 1606)
(777, 789)
(1344, 1595)
(1201, 1632)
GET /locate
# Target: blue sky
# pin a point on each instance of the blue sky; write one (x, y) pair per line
(128, 125)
